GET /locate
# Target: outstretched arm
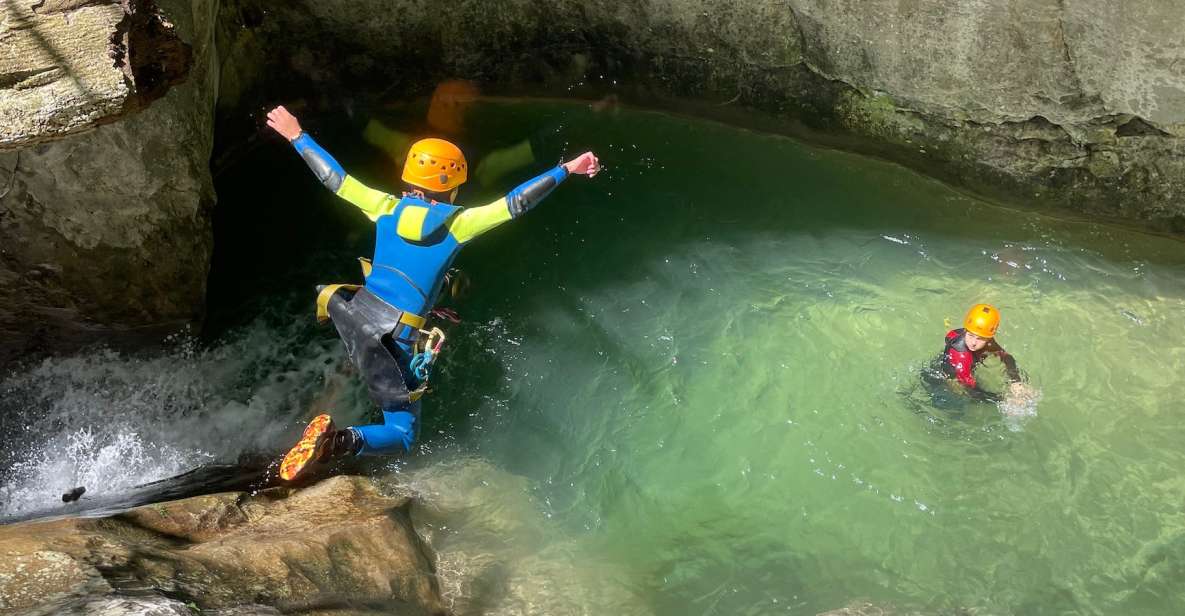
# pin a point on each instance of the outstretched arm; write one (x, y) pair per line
(472, 222)
(329, 172)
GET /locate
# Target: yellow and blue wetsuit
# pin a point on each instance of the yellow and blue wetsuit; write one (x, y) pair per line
(416, 242)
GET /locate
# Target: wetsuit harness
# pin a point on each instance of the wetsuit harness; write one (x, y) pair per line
(379, 322)
(957, 362)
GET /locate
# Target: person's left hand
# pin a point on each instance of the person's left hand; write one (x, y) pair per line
(585, 164)
(1019, 390)
(283, 122)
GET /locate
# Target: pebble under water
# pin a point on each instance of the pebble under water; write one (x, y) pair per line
(690, 385)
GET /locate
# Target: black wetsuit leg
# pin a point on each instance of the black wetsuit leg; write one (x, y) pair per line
(364, 324)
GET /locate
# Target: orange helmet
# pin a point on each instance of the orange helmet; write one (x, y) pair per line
(982, 320)
(435, 165)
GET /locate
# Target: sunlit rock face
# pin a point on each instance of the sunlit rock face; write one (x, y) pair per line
(1080, 103)
(337, 545)
(107, 109)
(105, 192)
(1074, 103)
(68, 65)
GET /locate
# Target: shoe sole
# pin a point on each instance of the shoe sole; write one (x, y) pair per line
(305, 449)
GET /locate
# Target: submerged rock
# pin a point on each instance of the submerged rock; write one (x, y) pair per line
(339, 546)
(861, 608)
(460, 537)
(498, 554)
(118, 606)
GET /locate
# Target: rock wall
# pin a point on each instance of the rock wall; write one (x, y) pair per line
(105, 191)
(1078, 104)
(106, 127)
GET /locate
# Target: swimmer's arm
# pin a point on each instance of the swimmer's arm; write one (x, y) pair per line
(373, 203)
(1009, 363)
(472, 222)
(500, 162)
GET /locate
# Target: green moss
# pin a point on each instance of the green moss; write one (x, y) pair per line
(877, 115)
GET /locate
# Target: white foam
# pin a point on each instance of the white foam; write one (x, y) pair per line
(110, 421)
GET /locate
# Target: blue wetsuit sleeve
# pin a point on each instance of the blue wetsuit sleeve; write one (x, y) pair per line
(528, 194)
(328, 171)
(395, 435)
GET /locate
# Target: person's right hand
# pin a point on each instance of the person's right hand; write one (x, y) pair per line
(585, 164)
(284, 123)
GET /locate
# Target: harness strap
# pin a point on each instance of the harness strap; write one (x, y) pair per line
(415, 321)
(324, 296)
(417, 393)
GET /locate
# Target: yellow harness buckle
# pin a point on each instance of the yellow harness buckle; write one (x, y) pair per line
(414, 320)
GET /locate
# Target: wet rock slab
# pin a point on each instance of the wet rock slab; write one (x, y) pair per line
(337, 547)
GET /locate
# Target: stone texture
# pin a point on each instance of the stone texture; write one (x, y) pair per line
(68, 65)
(1078, 104)
(860, 608)
(113, 606)
(55, 78)
(105, 233)
(337, 547)
(497, 554)
(1073, 102)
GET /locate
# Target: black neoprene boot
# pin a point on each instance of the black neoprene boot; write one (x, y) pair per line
(339, 444)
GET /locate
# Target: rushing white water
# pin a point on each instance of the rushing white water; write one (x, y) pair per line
(109, 421)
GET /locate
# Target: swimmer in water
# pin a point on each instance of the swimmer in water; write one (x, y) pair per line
(967, 347)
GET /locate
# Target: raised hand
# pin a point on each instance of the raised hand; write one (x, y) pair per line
(585, 164)
(284, 123)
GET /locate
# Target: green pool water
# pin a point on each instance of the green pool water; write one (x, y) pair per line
(706, 364)
(690, 385)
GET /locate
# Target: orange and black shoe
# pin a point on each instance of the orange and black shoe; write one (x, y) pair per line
(305, 450)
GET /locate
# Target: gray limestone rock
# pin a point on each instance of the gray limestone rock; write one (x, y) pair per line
(1078, 104)
(337, 547)
(105, 231)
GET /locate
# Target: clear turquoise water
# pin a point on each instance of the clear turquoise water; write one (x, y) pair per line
(689, 386)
